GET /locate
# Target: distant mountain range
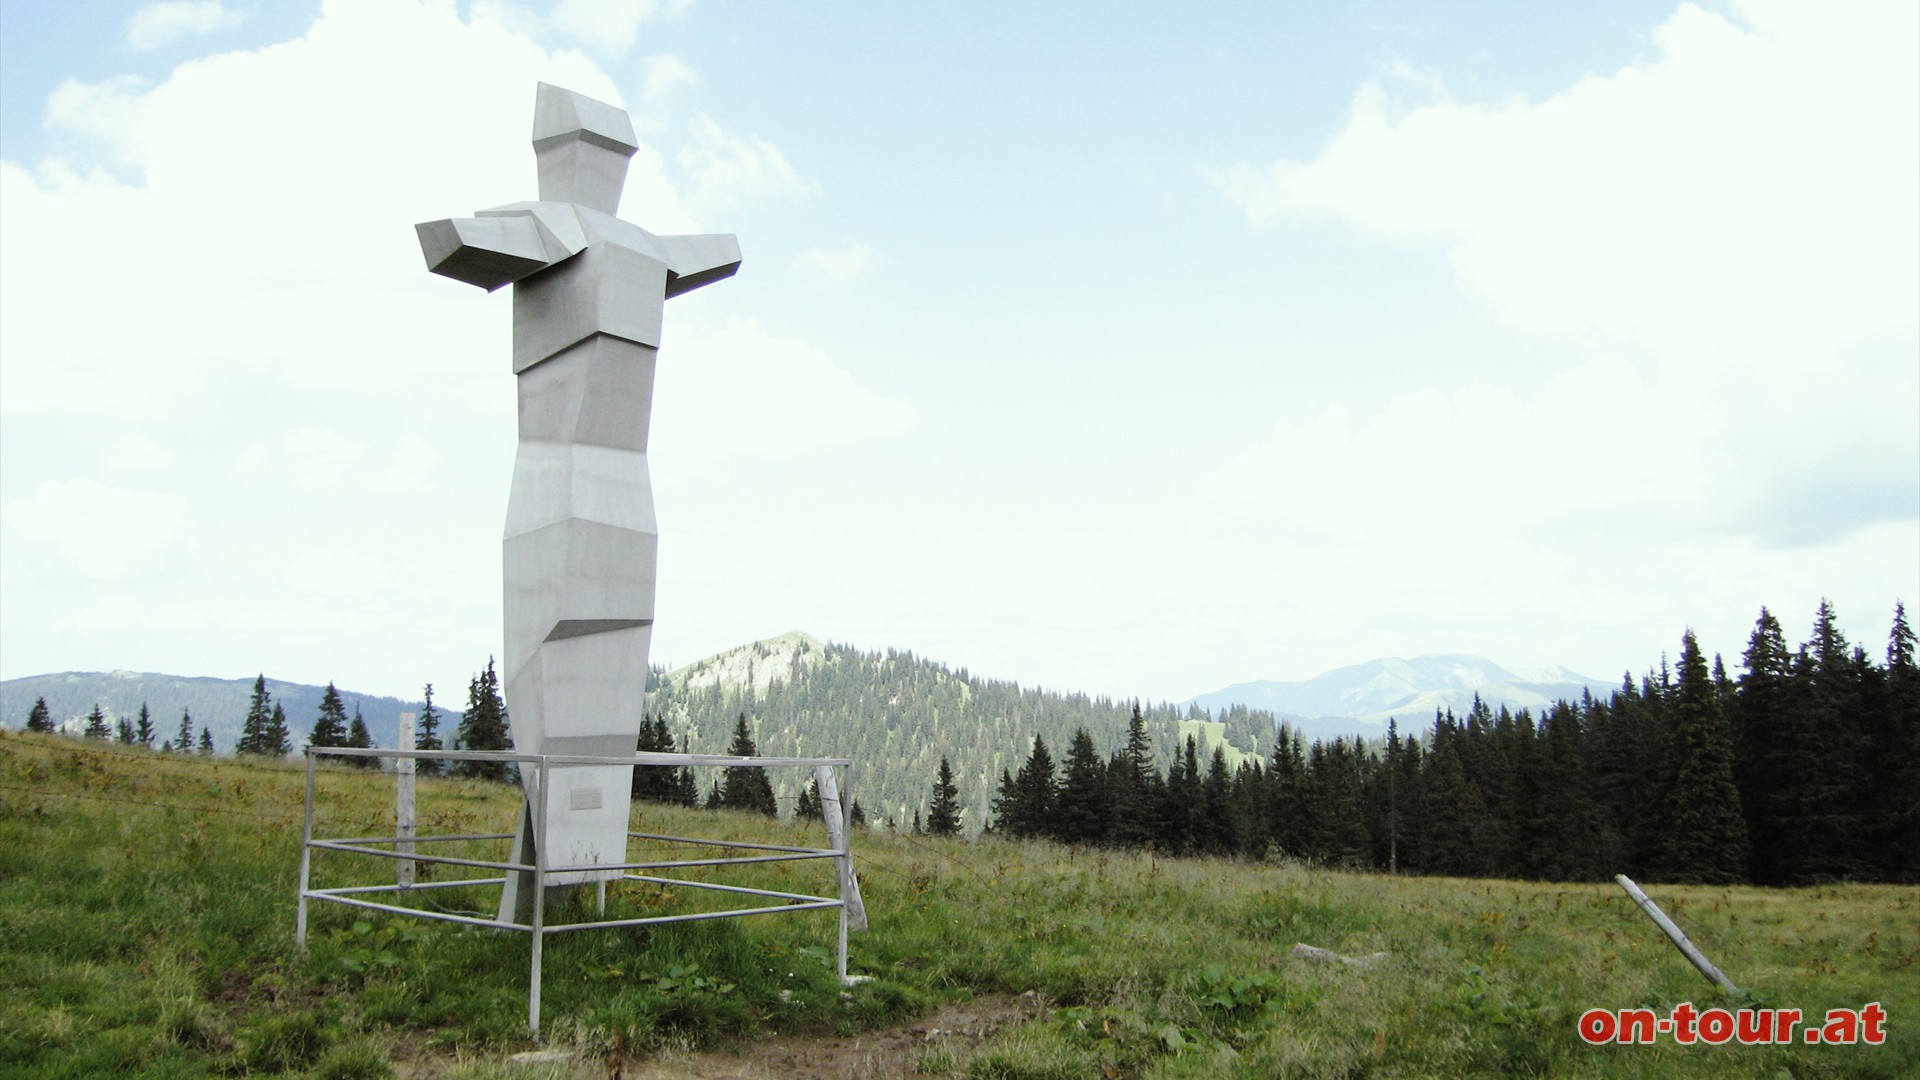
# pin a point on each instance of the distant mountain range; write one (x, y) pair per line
(1361, 698)
(220, 704)
(895, 713)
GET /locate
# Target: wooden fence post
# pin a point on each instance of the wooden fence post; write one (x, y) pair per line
(1675, 934)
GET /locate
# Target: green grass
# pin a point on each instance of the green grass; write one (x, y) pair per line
(146, 928)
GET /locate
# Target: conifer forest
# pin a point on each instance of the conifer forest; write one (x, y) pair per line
(1801, 765)
(1793, 765)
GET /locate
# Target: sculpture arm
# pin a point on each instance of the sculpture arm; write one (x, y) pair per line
(693, 261)
(491, 250)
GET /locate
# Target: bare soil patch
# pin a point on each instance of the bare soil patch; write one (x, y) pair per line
(871, 1055)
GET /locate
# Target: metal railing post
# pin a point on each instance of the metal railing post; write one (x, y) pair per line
(539, 897)
(403, 804)
(306, 860)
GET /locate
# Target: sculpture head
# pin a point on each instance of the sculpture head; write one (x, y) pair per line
(582, 147)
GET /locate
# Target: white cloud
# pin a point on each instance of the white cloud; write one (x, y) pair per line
(256, 326)
(664, 73)
(320, 462)
(843, 263)
(121, 614)
(138, 455)
(1734, 215)
(1487, 461)
(612, 26)
(413, 462)
(101, 531)
(743, 392)
(728, 169)
(161, 24)
(108, 112)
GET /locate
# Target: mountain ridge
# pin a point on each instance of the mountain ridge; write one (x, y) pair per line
(1368, 694)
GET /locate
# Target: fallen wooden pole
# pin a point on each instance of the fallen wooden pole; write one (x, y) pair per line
(1675, 934)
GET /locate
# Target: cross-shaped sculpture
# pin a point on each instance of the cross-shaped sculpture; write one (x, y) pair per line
(581, 543)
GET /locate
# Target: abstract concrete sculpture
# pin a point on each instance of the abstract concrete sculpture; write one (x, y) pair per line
(580, 537)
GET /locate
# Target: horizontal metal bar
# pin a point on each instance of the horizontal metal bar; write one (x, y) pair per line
(335, 845)
(694, 917)
(438, 755)
(418, 839)
(722, 761)
(742, 889)
(797, 855)
(323, 894)
(345, 889)
(708, 862)
(720, 843)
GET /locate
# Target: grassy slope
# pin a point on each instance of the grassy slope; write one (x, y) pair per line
(146, 910)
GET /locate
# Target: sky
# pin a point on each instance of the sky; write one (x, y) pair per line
(1134, 349)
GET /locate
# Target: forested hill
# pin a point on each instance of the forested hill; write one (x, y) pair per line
(894, 713)
(897, 714)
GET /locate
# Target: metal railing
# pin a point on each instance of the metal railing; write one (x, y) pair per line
(835, 810)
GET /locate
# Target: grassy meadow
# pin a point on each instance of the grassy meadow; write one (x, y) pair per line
(147, 912)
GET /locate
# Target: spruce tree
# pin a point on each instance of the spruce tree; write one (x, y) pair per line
(1004, 819)
(1897, 756)
(1706, 833)
(686, 788)
(1215, 830)
(943, 808)
(1763, 759)
(206, 742)
(1286, 795)
(183, 740)
(1034, 794)
(123, 732)
(1400, 788)
(279, 740)
(358, 736)
(1134, 788)
(655, 783)
(426, 736)
(1818, 789)
(747, 788)
(330, 729)
(1569, 830)
(97, 725)
(1081, 810)
(254, 733)
(39, 718)
(1456, 840)
(1180, 802)
(807, 806)
(143, 728)
(483, 726)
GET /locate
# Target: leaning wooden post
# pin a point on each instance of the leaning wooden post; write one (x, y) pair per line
(403, 807)
(1674, 933)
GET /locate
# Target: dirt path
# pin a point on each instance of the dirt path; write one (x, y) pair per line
(872, 1055)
